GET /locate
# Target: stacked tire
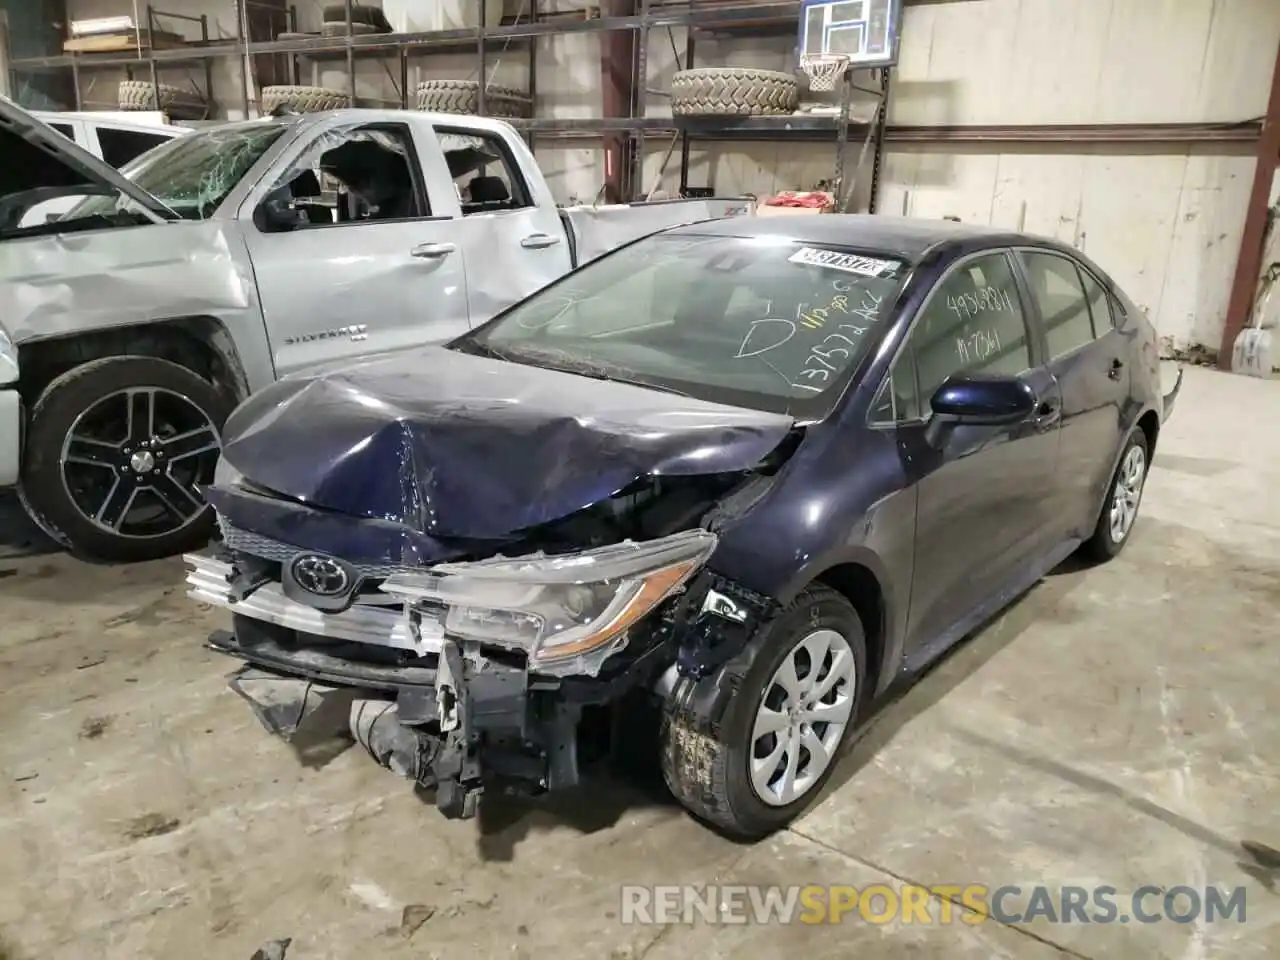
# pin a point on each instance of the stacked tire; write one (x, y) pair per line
(304, 99)
(365, 20)
(733, 92)
(463, 97)
(179, 103)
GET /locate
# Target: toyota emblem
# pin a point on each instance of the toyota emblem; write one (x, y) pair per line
(323, 576)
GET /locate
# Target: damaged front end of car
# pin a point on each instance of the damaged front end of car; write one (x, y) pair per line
(464, 663)
(471, 673)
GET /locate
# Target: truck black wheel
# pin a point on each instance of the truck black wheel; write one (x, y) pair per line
(116, 455)
(797, 690)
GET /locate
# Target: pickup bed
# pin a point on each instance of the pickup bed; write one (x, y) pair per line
(226, 259)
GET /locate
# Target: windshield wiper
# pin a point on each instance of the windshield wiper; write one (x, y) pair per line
(634, 382)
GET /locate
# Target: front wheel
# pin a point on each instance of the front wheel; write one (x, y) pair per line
(1120, 509)
(797, 689)
(116, 455)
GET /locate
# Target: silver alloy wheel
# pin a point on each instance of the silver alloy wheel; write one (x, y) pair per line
(803, 712)
(146, 484)
(1124, 503)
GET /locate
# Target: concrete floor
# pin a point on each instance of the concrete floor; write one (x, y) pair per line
(1111, 728)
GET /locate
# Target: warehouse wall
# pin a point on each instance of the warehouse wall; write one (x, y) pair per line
(1166, 221)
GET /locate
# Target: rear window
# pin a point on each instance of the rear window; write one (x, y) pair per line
(762, 322)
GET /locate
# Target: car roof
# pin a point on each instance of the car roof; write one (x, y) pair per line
(909, 237)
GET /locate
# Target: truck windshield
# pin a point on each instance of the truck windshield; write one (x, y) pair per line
(762, 322)
(193, 174)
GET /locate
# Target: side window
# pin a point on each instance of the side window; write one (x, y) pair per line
(485, 173)
(361, 175)
(64, 129)
(1056, 285)
(972, 323)
(120, 146)
(1099, 304)
(898, 400)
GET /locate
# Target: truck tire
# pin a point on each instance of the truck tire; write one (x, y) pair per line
(733, 92)
(360, 13)
(177, 102)
(339, 29)
(714, 765)
(463, 96)
(304, 99)
(115, 455)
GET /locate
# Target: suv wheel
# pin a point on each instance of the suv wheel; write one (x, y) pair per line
(116, 454)
(798, 689)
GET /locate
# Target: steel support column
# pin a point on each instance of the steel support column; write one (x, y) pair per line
(1244, 285)
(617, 92)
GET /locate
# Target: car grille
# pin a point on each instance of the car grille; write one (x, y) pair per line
(264, 548)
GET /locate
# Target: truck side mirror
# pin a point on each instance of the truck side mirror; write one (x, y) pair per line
(277, 213)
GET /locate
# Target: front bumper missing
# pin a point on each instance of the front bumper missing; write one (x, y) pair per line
(440, 711)
(474, 723)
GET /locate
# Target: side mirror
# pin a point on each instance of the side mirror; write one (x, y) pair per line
(277, 214)
(979, 400)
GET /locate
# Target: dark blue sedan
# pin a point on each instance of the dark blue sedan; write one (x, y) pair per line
(750, 471)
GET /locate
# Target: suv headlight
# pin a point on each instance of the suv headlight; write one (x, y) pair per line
(567, 612)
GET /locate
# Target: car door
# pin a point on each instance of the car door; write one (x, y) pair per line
(375, 262)
(981, 510)
(1086, 355)
(506, 224)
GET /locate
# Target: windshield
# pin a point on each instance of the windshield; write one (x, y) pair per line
(193, 174)
(763, 322)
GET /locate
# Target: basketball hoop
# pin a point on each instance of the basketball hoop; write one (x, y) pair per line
(824, 69)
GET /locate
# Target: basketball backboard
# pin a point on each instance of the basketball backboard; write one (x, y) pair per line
(866, 31)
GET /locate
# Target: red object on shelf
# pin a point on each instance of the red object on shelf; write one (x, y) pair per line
(796, 202)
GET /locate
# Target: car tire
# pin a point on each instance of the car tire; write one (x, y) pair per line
(707, 763)
(86, 410)
(733, 92)
(1124, 497)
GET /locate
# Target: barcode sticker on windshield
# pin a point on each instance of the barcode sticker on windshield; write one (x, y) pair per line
(848, 262)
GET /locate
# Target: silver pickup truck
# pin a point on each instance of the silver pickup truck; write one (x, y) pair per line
(133, 324)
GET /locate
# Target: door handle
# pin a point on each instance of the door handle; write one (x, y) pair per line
(539, 241)
(432, 251)
(1116, 366)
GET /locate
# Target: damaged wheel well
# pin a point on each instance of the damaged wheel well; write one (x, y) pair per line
(200, 344)
(1150, 425)
(860, 587)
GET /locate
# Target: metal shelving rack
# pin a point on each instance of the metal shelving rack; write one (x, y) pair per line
(749, 17)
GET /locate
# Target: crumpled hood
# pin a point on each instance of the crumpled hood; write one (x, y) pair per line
(462, 446)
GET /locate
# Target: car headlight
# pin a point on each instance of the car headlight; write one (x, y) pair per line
(567, 612)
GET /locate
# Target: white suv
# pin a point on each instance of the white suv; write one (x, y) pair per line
(114, 137)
